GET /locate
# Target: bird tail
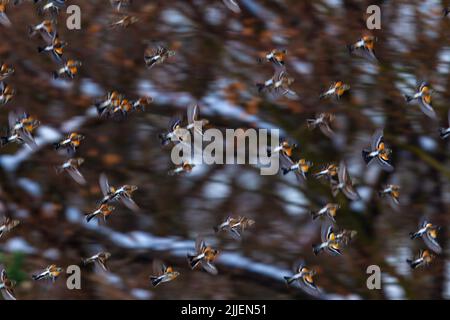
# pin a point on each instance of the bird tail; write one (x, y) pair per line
(314, 215)
(412, 264)
(446, 11)
(413, 235)
(216, 229)
(163, 138)
(285, 170)
(408, 98)
(260, 87)
(193, 260)
(4, 141)
(55, 75)
(316, 249)
(37, 277)
(350, 48)
(366, 156)
(90, 216)
(155, 280)
(31, 31)
(40, 49)
(311, 123)
(444, 133)
(289, 280)
(57, 146)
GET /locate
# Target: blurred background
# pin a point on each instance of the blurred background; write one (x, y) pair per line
(216, 66)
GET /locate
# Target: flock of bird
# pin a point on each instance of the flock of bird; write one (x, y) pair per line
(333, 239)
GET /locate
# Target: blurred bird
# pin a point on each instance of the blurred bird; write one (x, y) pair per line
(445, 132)
(285, 147)
(364, 47)
(70, 69)
(6, 93)
(125, 22)
(118, 4)
(20, 130)
(337, 90)
(235, 226)
(7, 225)
(71, 143)
(423, 96)
(428, 232)
(329, 211)
(111, 102)
(176, 133)
(162, 273)
(5, 71)
(52, 272)
(391, 190)
(105, 210)
(304, 276)
(71, 166)
(4, 20)
(276, 57)
(157, 56)
(56, 48)
(330, 173)
(46, 28)
(23, 122)
(142, 103)
(185, 167)
(332, 241)
(204, 256)
(279, 83)
(232, 5)
(122, 194)
(301, 167)
(99, 258)
(424, 259)
(7, 286)
(345, 184)
(323, 121)
(378, 152)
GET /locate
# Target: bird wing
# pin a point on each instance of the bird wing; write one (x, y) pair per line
(326, 130)
(232, 5)
(76, 175)
(377, 138)
(104, 185)
(192, 113)
(129, 203)
(209, 267)
(386, 165)
(431, 242)
(427, 108)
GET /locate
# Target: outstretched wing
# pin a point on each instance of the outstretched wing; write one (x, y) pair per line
(192, 113)
(377, 138)
(76, 175)
(209, 267)
(431, 242)
(426, 107)
(104, 185)
(129, 203)
(232, 5)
